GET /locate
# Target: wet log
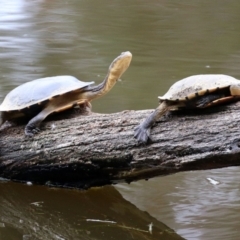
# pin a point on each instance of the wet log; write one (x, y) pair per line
(99, 149)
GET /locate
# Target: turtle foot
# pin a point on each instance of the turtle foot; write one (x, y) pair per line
(31, 130)
(142, 134)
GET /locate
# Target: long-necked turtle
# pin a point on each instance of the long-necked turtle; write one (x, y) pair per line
(199, 91)
(41, 97)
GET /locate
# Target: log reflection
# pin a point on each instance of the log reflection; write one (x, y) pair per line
(38, 212)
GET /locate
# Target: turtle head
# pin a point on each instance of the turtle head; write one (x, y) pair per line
(119, 65)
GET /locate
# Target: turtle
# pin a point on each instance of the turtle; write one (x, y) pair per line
(194, 92)
(39, 98)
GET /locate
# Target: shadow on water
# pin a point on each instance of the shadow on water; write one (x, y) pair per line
(37, 212)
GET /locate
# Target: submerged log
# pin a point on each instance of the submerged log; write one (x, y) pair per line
(99, 149)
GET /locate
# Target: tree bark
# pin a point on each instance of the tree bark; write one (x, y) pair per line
(98, 149)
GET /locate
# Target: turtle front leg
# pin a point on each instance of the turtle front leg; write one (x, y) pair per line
(87, 106)
(142, 131)
(33, 125)
(32, 128)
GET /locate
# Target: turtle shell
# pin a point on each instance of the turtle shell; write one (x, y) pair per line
(39, 90)
(198, 85)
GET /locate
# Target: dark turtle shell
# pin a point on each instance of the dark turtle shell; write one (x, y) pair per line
(40, 90)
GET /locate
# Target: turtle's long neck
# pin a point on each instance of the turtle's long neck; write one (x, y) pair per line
(116, 69)
(93, 92)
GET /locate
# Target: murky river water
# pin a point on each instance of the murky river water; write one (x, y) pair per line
(169, 40)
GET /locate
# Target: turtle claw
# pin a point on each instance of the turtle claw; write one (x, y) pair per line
(31, 130)
(142, 134)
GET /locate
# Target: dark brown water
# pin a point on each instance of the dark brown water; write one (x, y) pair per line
(169, 40)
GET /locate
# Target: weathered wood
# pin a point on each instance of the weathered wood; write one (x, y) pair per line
(99, 149)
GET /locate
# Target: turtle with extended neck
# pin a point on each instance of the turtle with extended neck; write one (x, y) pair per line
(199, 91)
(39, 98)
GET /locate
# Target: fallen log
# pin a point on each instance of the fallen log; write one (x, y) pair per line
(98, 149)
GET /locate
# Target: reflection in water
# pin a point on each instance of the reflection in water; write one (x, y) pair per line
(101, 213)
(170, 40)
(194, 205)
